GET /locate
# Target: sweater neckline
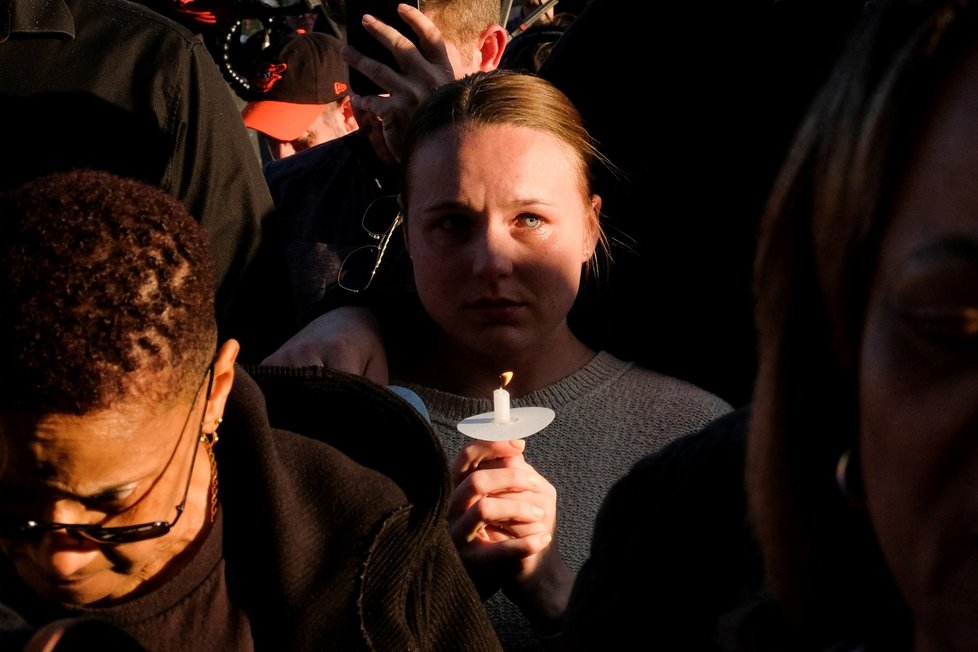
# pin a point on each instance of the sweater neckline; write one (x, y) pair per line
(603, 368)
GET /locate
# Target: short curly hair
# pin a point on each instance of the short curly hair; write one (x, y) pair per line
(108, 294)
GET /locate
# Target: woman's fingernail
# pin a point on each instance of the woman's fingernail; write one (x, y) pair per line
(518, 444)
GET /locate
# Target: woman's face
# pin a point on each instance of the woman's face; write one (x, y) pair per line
(919, 377)
(498, 228)
(125, 465)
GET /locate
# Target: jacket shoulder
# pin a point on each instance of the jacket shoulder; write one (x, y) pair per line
(365, 421)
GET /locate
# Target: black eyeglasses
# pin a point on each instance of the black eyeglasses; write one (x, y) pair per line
(360, 265)
(32, 530)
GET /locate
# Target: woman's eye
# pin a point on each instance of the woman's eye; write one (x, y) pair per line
(450, 223)
(944, 324)
(531, 221)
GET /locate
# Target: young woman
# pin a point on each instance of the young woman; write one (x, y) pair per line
(501, 224)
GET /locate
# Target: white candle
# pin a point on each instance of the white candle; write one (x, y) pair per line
(500, 400)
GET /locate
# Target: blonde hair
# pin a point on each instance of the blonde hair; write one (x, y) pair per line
(462, 21)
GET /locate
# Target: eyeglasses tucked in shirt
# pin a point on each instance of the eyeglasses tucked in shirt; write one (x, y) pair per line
(380, 221)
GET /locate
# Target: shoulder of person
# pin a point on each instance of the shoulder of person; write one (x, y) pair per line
(139, 16)
(674, 531)
(367, 422)
(656, 385)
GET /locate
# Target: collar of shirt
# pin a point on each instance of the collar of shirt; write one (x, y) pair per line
(35, 17)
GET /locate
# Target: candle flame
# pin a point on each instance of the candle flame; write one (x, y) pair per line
(505, 377)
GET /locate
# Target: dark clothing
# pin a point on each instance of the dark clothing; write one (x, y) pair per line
(674, 563)
(111, 85)
(320, 196)
(191, 611)
(315, 548)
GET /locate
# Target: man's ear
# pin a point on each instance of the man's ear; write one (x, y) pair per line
(492, 43)
(221, 385)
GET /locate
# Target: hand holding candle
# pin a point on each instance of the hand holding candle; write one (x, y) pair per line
(500, 399)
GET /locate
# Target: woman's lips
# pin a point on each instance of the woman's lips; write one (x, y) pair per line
(496, 309)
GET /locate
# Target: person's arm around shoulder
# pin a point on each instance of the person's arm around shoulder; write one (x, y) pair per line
(347, 339)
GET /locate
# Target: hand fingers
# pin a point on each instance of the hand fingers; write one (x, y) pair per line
(493, 519)
(518, 484)
(347, 339)
(431, 43)
(477, 453)
(481, 541)
(297, 352)
(482, 553)
(377, 72)
(427, 64)
(354, 357)
(506, 514)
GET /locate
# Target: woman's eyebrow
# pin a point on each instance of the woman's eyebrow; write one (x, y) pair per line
(457, 204)
(957, 247)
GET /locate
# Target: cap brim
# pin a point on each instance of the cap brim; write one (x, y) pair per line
(280, 120)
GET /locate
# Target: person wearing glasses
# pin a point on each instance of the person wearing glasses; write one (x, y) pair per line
(501, 227)
(141, 482)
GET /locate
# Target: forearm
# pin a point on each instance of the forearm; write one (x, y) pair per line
(544, 595)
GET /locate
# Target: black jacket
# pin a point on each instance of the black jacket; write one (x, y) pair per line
(112, 85)
(333, 539)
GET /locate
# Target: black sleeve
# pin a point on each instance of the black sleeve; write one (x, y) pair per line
(672, 555)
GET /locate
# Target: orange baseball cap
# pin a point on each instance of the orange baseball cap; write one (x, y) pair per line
(294, 82)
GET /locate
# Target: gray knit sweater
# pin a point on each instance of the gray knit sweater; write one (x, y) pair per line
(609, 414)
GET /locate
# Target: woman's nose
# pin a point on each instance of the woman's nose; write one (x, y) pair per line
(493, 252)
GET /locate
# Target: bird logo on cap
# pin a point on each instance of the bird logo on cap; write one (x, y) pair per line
(268, 75)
